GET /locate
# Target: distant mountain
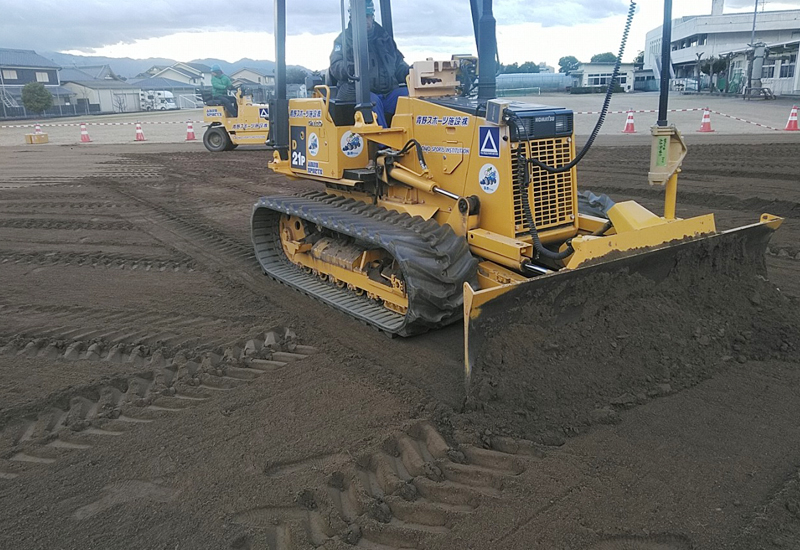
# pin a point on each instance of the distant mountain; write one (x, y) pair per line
(129, 68)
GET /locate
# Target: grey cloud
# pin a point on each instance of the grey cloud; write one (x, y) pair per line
(87, 24)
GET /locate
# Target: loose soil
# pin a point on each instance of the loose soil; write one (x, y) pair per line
(157, 391)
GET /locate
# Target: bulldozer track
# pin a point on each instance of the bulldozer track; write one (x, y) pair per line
(99, 260)
(413, 490)
(80, 418)
(434, 260)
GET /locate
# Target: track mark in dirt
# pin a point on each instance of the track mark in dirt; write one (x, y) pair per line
(204, 237)
(412, 489)
(82, 333)
(280, 469)
(179, 262)
(67, 225)
(40, 207)
(82, 417)
(126, 491)
(653, 542)
(790, 253)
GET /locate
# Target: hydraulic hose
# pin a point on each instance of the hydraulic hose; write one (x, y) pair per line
(601, 119)
(541, 250)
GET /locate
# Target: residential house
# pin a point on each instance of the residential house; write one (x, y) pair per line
(254, 76)
(20, 67)
(257, 83)
(196, 74)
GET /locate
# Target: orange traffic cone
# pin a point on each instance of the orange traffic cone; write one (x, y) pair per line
(190, 132)
(705, 125)
(139, 133)
(37, 129)
(791, 125)
(85, 134)
(629, 129)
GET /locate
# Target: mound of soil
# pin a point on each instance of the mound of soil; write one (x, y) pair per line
(558, 360)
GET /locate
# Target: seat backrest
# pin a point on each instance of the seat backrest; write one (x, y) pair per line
(206, 94)
(343, 113)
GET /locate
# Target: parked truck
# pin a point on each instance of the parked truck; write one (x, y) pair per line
(157, 100)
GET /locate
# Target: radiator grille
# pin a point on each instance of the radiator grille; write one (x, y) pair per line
(550, 194)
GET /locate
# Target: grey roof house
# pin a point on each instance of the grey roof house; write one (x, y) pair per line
(18, 68)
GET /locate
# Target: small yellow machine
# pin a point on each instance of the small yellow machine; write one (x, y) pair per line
(458, 203)
(225, 133)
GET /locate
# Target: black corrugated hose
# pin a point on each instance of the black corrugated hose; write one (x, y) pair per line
(541, 251)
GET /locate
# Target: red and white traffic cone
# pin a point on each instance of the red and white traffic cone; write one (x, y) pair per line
(139, 133)
(85, 134)
(705, 125)
(190, 132)
(629, 128)
(37, 129)
(791, 125)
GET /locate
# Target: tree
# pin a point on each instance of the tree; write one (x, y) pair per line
(568, 64)
(295, 75)
(639, 59)
(713, 66)
(120, 103)
(606, 57)
(513, 68)
(36, 98)
(529, 67)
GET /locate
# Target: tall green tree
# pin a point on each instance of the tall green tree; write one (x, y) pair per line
(36, 98)
(567, 64)
(295, 75)
(529, 67)
(606, 57)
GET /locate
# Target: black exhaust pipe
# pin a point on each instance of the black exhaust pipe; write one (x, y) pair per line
(487, 53)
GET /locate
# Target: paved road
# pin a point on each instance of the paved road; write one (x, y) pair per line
(756, 117)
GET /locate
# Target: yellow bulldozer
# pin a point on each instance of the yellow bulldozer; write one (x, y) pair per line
(460, 206)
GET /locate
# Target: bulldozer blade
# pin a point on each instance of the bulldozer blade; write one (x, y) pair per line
(487, 312)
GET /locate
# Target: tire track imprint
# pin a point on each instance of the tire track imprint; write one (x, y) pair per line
(401, 497)
(41, 434)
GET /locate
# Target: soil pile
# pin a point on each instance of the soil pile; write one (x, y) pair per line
(557, 362)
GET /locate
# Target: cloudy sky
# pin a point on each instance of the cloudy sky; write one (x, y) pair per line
(528, 30)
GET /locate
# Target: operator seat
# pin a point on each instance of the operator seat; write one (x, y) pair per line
(343, 113)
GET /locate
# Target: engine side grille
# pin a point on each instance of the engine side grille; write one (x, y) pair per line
(550, 194)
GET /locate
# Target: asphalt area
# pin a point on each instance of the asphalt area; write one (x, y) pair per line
(664, 417)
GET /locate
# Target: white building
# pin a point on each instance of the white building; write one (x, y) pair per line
(728, 36)
(590, 75)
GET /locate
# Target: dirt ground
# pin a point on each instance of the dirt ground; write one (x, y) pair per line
(157, 391)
